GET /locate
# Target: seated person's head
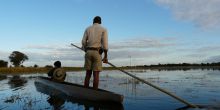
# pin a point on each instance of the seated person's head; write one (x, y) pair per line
(57, 64)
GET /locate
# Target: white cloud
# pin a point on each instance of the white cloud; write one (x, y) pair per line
(138, 51)
(144, 43)
(209, 49)
(49, 58)
(125, 54)
(203, 13)
(46, 55)
(4, 55)
(138, 48)
(213, 59)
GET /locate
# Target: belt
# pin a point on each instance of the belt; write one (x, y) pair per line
(93, 48)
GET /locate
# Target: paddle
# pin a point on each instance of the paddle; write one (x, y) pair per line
(150, 84)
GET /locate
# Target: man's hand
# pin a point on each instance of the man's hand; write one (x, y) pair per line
(105, 60)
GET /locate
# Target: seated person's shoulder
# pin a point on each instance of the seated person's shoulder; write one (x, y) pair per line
(50, 73)
(59, 74)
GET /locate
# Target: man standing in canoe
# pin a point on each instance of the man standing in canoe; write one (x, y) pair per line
(95, 39)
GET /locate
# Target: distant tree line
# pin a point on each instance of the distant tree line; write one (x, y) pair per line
(181, 64)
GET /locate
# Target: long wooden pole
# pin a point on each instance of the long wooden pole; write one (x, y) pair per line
(150, 84)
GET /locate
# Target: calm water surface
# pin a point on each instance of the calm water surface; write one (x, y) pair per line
(196, 86)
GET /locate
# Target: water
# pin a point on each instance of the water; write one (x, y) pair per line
(18, 92)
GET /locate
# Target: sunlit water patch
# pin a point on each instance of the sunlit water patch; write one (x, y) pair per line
(200, 87)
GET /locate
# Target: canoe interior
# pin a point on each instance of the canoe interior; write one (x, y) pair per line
(73, 84)
(54, 93)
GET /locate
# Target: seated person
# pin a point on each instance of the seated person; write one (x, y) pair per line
(57, 73)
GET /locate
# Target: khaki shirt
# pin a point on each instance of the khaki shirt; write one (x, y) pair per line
(95, 36)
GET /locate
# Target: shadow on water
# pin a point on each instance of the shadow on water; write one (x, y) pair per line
(17, 81)
(56, 102)
(57, 99)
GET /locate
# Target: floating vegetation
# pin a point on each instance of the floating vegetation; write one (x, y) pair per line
(25, 99)
(12, 99)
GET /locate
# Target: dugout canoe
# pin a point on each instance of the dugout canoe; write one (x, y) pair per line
(80, 92)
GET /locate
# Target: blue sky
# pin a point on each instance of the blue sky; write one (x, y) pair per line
(140, 31)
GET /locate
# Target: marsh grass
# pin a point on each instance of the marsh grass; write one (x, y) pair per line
(23, 70)
(26, 70)
(18, 70)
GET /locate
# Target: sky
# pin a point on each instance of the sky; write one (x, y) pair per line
(140, 32)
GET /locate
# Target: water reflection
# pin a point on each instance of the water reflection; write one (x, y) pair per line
(56, 102)
(3, 77)
(17, 81)
(196, 86)
(57, 99)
